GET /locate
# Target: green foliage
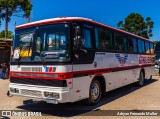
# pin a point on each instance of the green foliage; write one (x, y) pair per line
(16, 6)
(155, 43)
(10, 34)
(136, 24)
(9, 7)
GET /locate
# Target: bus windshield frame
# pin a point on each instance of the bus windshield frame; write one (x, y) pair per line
(45, 43)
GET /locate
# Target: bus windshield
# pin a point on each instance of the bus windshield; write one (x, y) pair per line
(43, 43)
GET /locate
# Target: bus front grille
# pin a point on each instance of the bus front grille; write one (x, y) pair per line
(41, 82)
(31, 69)
(34, 93)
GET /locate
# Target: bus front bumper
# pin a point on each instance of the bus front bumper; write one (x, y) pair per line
(48, 94)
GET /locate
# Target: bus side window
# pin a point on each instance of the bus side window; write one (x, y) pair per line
(147, 47)
(130, 45)
(120, 43)
(139, 46)
(143, 47)
(87, 38)
(38, 45)
(103, 39)
(151, 48)
(135, 45)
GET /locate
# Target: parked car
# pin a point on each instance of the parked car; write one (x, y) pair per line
(157, 67)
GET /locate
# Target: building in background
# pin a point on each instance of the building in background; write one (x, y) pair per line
(5, 50)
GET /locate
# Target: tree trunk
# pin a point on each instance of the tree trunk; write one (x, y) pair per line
(6, 24)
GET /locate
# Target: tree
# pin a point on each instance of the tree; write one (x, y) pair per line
(2, 15)
(10, 34)
(9, 7)
(136, 24)
(155, 43)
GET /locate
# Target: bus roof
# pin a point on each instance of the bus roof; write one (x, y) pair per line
(63, 19)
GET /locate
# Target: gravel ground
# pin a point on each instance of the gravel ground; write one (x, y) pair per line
(130, 97)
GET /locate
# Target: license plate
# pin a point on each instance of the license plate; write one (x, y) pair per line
(53, 101)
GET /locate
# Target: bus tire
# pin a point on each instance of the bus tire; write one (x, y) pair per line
(141, 78)
(95, 93)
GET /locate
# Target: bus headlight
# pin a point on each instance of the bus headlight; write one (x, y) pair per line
(51, 95)
(14, 90)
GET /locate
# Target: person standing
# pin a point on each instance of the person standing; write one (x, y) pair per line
(8, 70)
(3, 70)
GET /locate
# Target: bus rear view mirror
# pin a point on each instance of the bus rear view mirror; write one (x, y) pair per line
(78, 31)
(78, 37)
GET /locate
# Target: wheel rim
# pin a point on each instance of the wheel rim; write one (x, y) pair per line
(95, 91)
(141, 80)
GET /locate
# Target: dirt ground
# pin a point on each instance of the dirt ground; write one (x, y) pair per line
(128, 99)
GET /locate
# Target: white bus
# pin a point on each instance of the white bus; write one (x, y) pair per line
(68, 59)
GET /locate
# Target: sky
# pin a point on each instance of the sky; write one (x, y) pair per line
(109, 12)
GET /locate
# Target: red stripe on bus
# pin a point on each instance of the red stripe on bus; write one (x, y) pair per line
(68, 75)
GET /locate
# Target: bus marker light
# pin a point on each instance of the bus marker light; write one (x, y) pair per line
(61, 76)
(14, 90)
(77, 91)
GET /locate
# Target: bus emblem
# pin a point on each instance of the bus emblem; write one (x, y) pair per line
(50, 69)
(122, 59)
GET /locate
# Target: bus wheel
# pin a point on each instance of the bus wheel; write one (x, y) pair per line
(141, 79)
(95, 93)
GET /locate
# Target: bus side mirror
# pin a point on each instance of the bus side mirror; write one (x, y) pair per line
(77, 30)
(78, 42)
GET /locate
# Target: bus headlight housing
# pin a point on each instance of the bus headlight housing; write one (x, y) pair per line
(51, 95)
(14, 90)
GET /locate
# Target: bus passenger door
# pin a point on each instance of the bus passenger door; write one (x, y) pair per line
(83, 57)
(84, 52)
